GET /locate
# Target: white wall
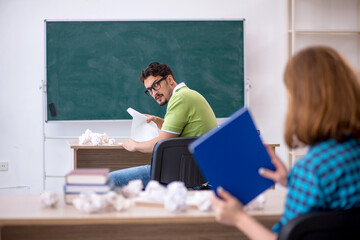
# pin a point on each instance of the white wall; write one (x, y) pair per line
(22, 69)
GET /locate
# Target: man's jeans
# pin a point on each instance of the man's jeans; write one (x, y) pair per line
(123, 176)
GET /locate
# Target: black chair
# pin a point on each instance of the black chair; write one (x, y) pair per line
(323, 225)
(172, 161)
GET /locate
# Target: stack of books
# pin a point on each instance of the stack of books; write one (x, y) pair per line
(82, 180)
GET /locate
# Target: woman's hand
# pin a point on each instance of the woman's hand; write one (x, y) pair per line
(280, 174)
(157, 120)
(228, 209)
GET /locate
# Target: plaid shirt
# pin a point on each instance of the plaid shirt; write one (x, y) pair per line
(327, 178)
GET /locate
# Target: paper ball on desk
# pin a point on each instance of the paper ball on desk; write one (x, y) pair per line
(117, 201)
(48, 199)
(132, 189)
(175, 198)
(112, 141)
(104, 138)
(90, 203)
(96, 140)
(257, 203)
(155, 191)
(85, 138)
(202, 200)
(111, 197)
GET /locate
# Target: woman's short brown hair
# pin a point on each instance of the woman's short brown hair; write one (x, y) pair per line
(324, 98)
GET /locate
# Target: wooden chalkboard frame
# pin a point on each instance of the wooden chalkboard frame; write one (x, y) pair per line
(49, 110)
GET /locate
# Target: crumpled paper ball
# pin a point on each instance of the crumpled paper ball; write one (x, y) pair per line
(112, 141)
(154, 191)
(202, 199)
(117, 201)
(104, 138)
(132, 189)
(257, 203)
(48, 199)
(94, 139)
(85, 138)
(90, 203)
(175, 198)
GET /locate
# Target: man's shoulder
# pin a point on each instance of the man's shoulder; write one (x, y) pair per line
(187, 97)
(186, 92)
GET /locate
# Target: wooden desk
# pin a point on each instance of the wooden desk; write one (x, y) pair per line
(23, 217)
(107, 156)
(112, 156)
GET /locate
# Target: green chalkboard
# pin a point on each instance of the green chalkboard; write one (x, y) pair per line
(93, 67)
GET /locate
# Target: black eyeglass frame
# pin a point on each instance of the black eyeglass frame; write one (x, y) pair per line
(149, 90)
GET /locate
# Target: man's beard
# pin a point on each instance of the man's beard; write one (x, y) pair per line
(164, 103)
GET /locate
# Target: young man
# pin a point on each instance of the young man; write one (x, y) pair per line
(188, 114)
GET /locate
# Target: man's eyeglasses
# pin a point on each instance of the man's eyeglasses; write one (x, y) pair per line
(156, 86)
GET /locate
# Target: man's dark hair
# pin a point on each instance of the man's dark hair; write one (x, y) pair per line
(155, 69)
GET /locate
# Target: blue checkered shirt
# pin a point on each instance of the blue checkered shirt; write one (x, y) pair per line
(327, 178)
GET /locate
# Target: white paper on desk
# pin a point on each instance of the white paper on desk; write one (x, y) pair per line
(142, 131)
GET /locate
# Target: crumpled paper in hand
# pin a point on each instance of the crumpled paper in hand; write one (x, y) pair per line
(48, 199)
(175, 198)
(142, 131)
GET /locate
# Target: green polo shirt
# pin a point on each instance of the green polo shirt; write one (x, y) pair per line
(188, 114)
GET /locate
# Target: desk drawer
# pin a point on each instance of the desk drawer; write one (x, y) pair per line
(114, 159)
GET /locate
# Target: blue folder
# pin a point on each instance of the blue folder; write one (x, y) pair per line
(231, 155)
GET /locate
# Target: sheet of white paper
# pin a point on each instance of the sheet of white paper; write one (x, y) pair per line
(142, 131)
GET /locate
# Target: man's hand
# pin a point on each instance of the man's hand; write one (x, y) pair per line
(157, 120)
(130, 145)
(148, 146)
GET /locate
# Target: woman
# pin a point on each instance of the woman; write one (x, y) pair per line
(323, 113)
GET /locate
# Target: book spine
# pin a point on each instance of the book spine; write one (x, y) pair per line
(96, 188)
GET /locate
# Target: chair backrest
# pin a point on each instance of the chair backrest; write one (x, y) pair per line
(323, 225)
(172, 161)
